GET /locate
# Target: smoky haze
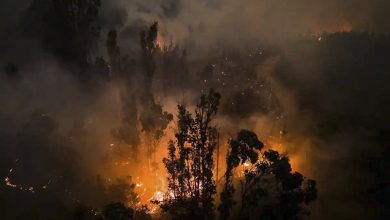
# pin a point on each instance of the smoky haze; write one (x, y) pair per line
(309, 77)
(209, 23)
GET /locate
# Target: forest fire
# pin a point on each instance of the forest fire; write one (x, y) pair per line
(139, 110)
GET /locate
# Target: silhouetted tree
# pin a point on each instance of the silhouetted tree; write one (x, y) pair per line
(149, 48)
(72, 29)
(242, 149)
(269, 190)
(154, 121)
(190, 162)
(112, 46)
(275, 191)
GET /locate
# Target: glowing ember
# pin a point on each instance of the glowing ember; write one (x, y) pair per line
(8, 182)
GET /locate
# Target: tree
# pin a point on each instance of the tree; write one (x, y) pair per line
(149, 47)
(68, 28)
(190, 162)
(113, 52)
(269, 189)
(128, 132)
(72, 29)
(272, 188)
(242, 149)
(154, 121)
(112, 47)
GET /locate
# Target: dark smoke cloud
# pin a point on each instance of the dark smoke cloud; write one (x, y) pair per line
(328, 98)
(339, 86)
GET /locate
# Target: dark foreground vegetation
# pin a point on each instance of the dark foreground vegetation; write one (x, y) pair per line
(62, 56)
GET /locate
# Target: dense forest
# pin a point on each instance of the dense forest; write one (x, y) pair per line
(114, 112)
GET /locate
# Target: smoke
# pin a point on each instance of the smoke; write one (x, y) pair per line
(339, 119)
(321, 100)
(206, 23)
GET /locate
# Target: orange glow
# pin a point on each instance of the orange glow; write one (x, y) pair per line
(150, 177)
(160, 43)
(296, 158)
(148, 172)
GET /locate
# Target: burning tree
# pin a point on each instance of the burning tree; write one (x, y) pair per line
(268, 188)
(190, 162)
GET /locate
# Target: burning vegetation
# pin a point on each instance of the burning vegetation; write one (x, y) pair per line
(113, 117)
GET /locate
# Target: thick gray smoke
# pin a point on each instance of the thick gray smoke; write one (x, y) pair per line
(229, 23)
(322, 98)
